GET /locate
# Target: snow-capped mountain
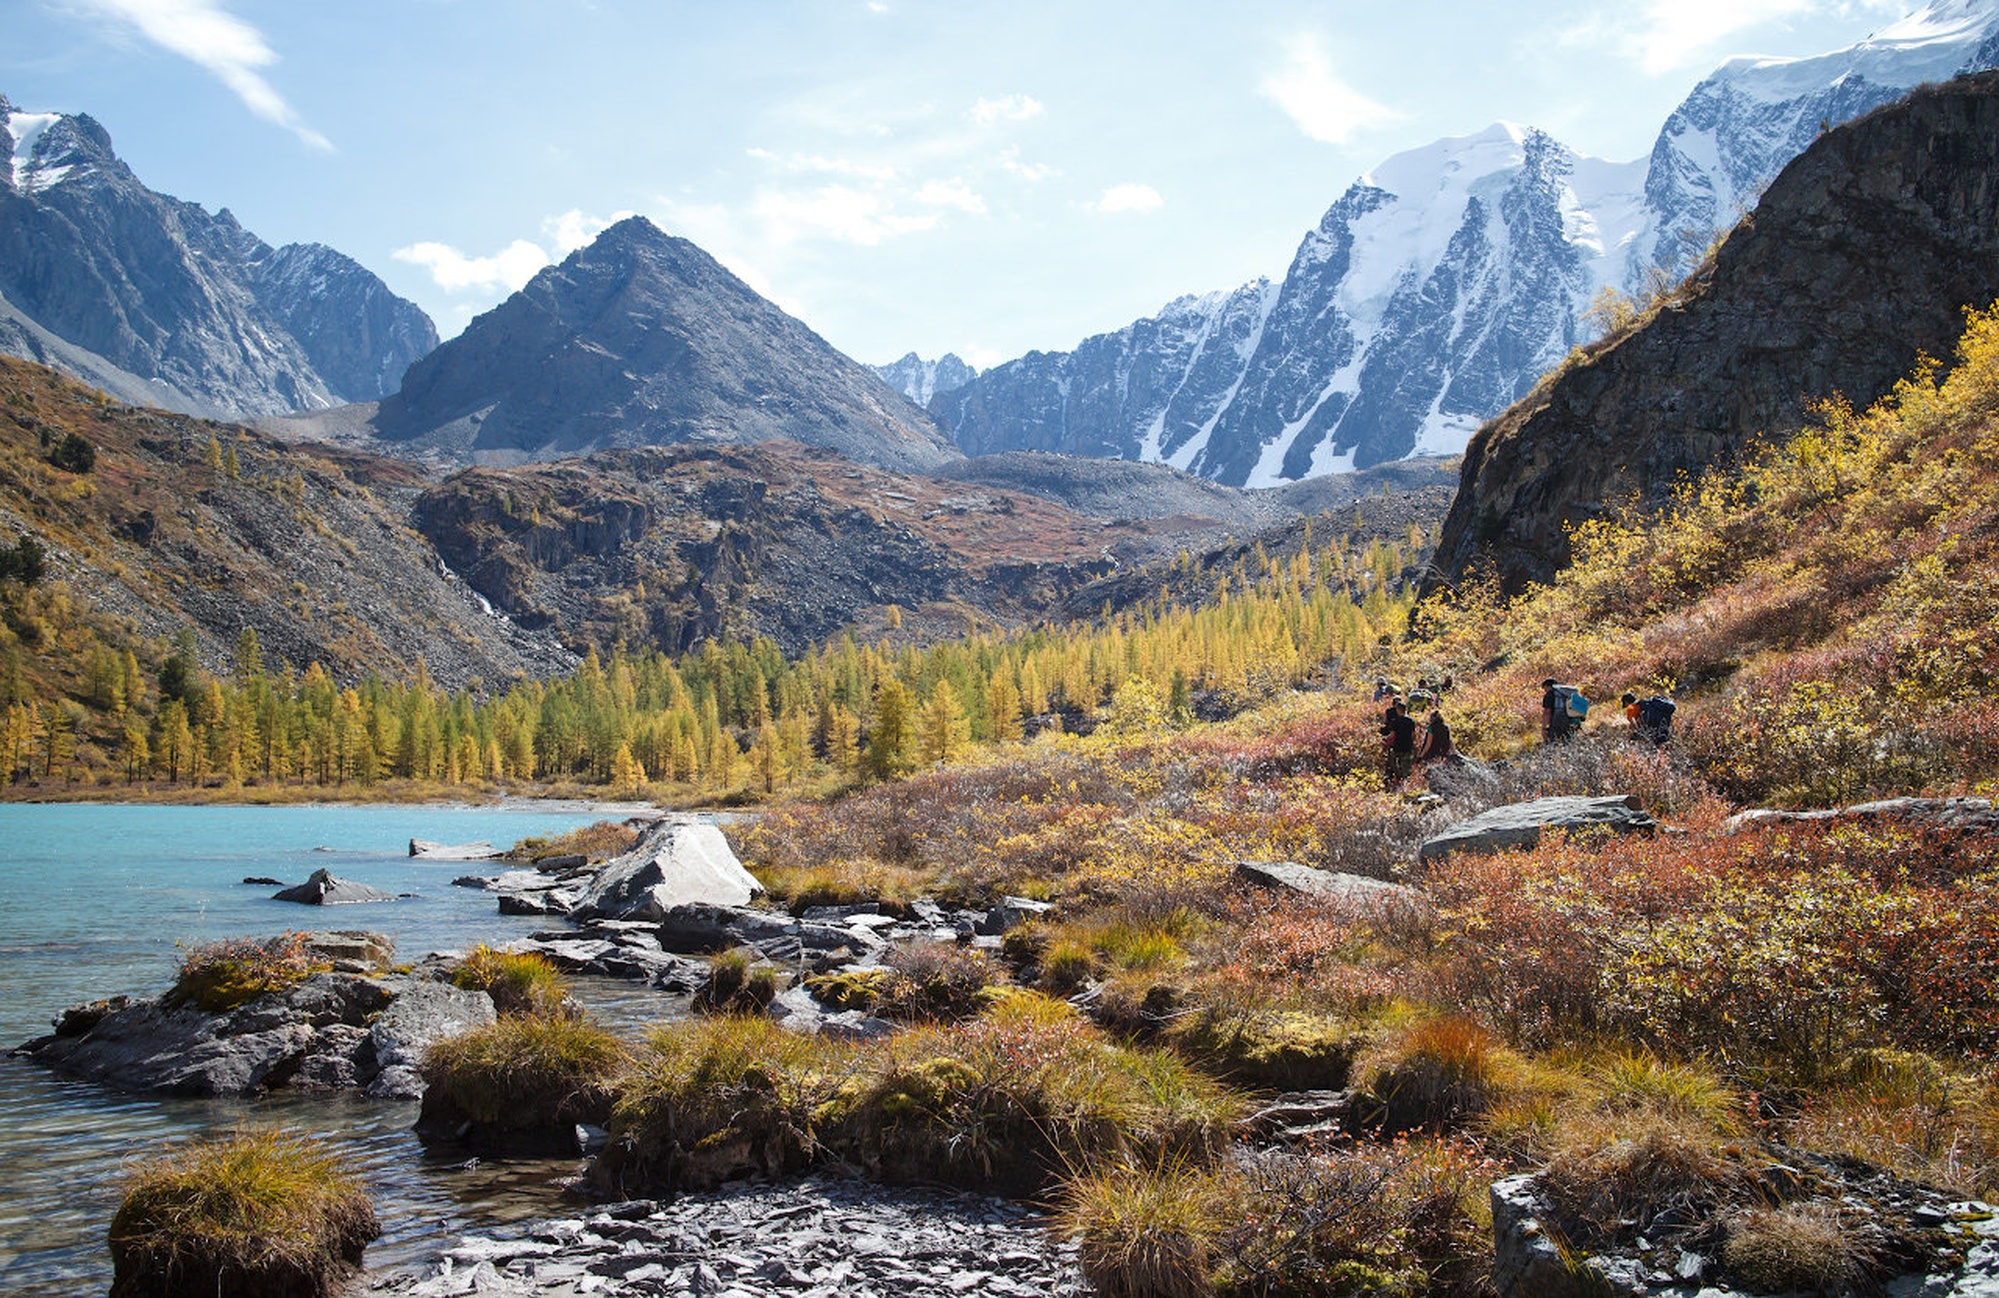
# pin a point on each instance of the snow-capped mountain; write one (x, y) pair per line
(1442, 284)
(921, 380)
(159, 300)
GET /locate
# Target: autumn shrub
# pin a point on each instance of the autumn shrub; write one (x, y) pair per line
(262, 1214)
(223, 976)
(525, 1073)
(520, 982)
(936, 980)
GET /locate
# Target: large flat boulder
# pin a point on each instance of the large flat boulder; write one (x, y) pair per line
(673, 864)
(324, 888)
(1521, 824)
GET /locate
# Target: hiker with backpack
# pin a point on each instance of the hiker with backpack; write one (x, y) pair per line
(1436, 744)
(1398, 735)
(1563, 710)
(1655, 720)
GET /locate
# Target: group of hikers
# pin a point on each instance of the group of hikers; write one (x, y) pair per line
(1564, 708)
(1406, 742)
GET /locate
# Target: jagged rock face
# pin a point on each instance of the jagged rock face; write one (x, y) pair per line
(643, 339)
(675, 545)
(215, 319)
(1862, 255)
(921, 380)
(1440, 287)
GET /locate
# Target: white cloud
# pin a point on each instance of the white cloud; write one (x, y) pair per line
(209, 35)
(1676, 34)
(951, 193)
(982, 358)
(1129, 198)
(455, 272)
(1007, 108)
(1324, 107)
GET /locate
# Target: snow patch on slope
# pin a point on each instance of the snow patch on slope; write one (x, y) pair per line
(28, 130)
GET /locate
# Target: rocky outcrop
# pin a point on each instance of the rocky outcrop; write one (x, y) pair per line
(1861, 256)
(1350, 891)
(643, 339)
(213, 319)
(673, 864)
(1521, 824)
(330, 1031)
(324, 888)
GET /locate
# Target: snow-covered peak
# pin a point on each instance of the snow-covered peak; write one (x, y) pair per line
(1930, 45)
(1450, 163)
(28, 130)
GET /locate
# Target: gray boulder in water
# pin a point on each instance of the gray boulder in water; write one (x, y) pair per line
(1520, 824)
(323, 888)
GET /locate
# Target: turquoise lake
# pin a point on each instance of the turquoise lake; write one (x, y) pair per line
(97, 900)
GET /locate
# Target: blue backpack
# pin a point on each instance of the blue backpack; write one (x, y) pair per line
(1573, 701)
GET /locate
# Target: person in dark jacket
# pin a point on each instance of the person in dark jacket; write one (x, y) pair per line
(1398, 734)
(1436, 743)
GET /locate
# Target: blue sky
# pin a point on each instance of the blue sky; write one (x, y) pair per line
(900, 174)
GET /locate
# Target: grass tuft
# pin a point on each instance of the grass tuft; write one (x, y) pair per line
(259, 1215)
(526, 1073)
(520, 983)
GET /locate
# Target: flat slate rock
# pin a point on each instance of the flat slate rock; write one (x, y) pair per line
(818, 1238)
(1520, 824)
(1947, 813)
(1328, 885)
(425, 850)
(324, 888)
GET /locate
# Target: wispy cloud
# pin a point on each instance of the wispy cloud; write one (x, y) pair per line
(209, 35)
(1032, 172)
(1128, 198)
(1312, 93)
(951, 193)
(1663, 36)
(839, 212)
(1007, 108)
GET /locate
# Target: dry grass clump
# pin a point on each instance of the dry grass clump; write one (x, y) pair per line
(1146, 1233)
(1798, 1247)
(937, 981)
(716, 1097)
(520, 982)
(736, 985)
(258, 1214)
(1268, 1046)
(1435, 1075)
(864, 881)
(1662, 1177)
(1911, 1114)
(526, 1073)
(1007, 1102)
(599, 841)
(1374, 1220)
(223, 976)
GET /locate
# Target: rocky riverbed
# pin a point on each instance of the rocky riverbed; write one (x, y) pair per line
(817, 1238)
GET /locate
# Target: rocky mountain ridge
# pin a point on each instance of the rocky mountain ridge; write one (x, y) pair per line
(1861, 257)
(107, 279)
(921, 380)
(638, 339)
(1439, 287)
